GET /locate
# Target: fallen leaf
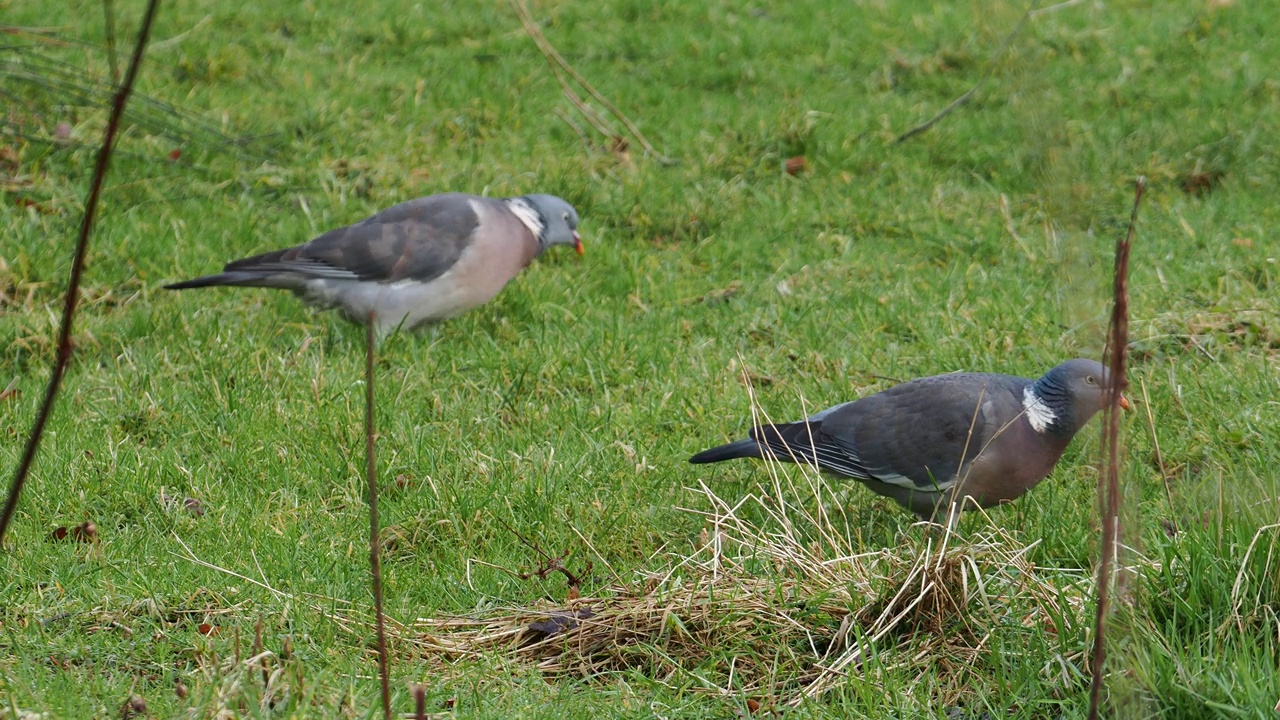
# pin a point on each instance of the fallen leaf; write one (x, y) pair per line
(1200, 183)
(59, 533)
(29, 203)
(174, 154)
(133, 707)
(796, 165)
(85, 532)
(206, 629)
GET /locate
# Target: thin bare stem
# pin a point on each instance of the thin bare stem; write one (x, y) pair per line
(558, 62)
(986, 72)
(371, 474)
(65, 346)
(1109, 478)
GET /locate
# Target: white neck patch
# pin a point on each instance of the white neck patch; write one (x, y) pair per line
(1038, 414)
(530, 217)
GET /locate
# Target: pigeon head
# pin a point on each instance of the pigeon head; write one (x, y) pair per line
(557, 219)
(1068, 396)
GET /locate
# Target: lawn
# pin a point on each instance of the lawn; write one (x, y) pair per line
(214, 438)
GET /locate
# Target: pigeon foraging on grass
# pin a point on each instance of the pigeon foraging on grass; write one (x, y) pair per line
(418, 262)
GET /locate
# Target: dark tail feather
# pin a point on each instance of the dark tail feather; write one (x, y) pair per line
(739, 449)
(242, 277)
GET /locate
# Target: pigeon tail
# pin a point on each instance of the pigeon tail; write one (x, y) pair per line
(245, 278)
(731, 451)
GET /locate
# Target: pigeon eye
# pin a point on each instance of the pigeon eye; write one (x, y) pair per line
(1091, 380)
(566, 217)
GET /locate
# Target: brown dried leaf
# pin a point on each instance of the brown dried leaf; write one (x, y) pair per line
(85, 532)
(133, 707)
(29, 203)
(1200, 182)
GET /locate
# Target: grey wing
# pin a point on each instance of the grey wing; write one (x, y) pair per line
(415, 240)
(918, 435)
(808, 442)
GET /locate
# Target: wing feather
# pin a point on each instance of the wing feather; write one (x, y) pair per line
(416, 240)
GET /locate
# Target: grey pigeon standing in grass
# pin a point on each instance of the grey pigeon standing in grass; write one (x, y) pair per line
(933, 441)
(418, 262)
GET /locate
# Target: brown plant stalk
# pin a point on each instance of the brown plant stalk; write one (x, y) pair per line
(65, 346)
(1115, 356)
(375, 561)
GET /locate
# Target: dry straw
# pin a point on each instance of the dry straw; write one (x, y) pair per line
(774, 603)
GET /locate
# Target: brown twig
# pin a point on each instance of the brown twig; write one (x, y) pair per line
(548, 564)
(986, 72)
(558, 63)
(375, 562)
(1109, 478)
(65, 346)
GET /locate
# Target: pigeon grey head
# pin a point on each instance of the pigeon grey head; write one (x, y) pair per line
(557, 219)
(1066, 397)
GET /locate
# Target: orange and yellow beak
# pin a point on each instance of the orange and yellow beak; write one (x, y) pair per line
(1124, 403)
(577, 243)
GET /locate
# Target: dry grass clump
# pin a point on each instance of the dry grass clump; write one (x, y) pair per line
(776, 604)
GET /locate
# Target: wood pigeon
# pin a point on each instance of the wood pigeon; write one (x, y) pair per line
(418, 262)
(933, 441)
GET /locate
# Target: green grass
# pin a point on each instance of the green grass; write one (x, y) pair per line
(569, 404)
